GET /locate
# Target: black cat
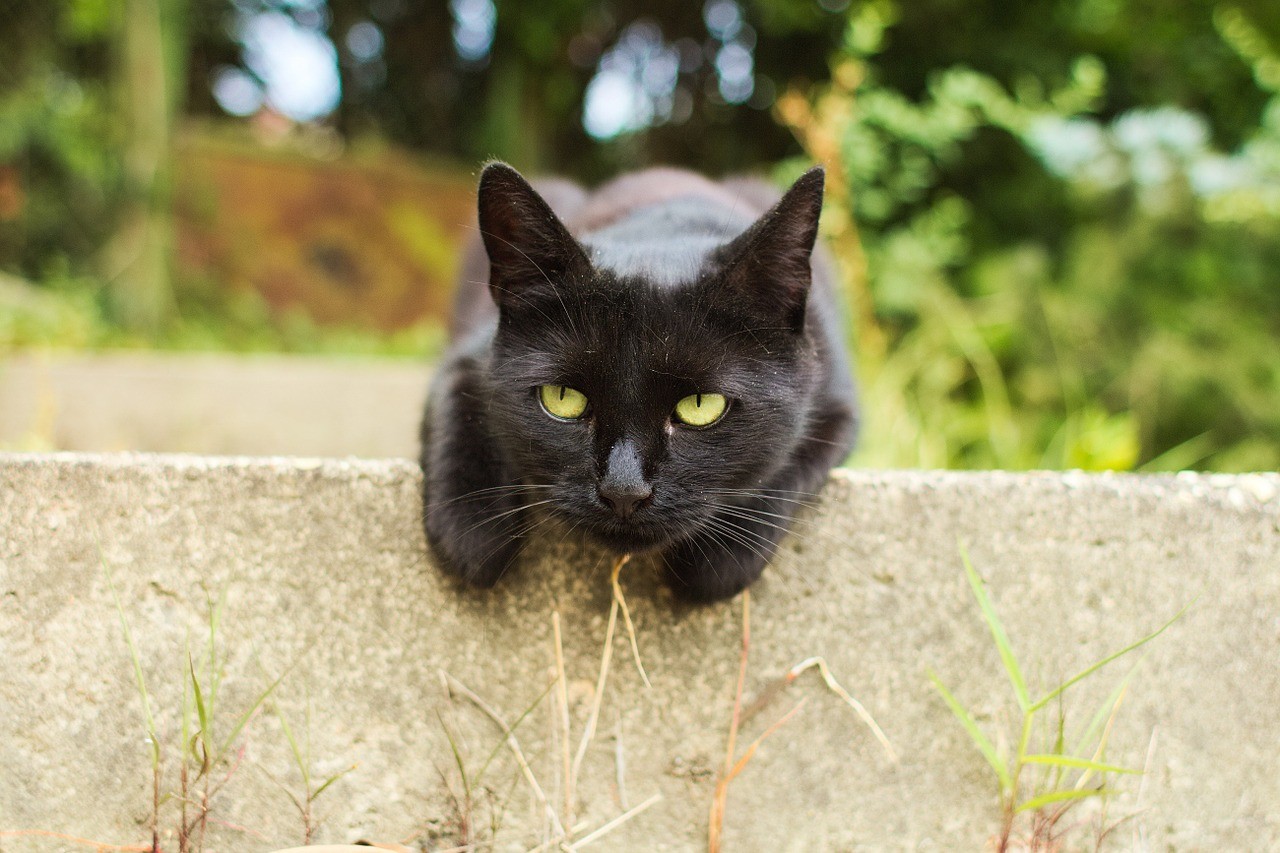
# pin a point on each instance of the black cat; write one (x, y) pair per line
(658, 363)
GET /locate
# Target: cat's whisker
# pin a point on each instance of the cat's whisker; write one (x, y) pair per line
(740, 534)
(762, 490)
(768, 524)
(696, 542)
(765, 539)
(812, 527)
(788, 518)
(487, 492)
(503, 538)
(815, 528)
(799, 502)
(774, 545)
(813, 439)
(504, 514)
(729, 537)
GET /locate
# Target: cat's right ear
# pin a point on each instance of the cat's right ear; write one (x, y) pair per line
(530, 250)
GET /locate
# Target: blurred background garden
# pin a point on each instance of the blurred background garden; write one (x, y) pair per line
(1057, 222)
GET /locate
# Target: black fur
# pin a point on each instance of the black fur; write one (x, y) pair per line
(657, 286)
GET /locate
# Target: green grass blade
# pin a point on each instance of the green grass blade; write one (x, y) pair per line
(293, 746)
(1077, 763)
(1111, 657)
(290, 794)
(202, 709)
(138, 679)
(457, 755)
(334, 778)
(520, 719)
(980, 740)
(1059, 797)
(199, 742)
(186, 703)
(215, 674)
(1104, 710)
(247, 715)
(307, 720)
(1059, 747)
(997, 632)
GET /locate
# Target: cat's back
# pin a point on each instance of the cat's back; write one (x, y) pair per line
(623, 197)
(661, 224)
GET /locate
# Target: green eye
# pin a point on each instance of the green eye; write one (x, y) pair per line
(700, 410)
(561, 401)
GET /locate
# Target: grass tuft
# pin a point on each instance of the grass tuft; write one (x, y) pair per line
(1069, 776)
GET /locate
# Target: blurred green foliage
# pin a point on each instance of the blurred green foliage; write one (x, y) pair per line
(74, 313)
(59, 140)
(1058, 221)
(1141, 332)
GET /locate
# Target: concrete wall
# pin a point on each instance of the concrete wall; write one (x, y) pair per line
(323, 569)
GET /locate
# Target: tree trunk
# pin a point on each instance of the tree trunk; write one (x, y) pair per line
(139, 257)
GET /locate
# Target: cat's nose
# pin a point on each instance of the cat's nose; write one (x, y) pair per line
(625, 500)
(623, 488)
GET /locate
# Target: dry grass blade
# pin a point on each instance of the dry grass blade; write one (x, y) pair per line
(715, 824)
(750, 752)
(619, 602)
(139, 682)
(722, 787)
(606, 655)
(563, 694)
(605, 829)
(620, 765)
(1102, 742)
(626, 616)
(742, 680)
(98, 845)
(1105, 710)
(454, 684)
(835, 687)
(153, 737)
(1140, 840)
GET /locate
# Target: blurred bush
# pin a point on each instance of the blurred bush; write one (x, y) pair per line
(1057, 220)
(1139, 332)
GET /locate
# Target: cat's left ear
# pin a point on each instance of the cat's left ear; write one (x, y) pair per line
(531, 253)
(767, 269)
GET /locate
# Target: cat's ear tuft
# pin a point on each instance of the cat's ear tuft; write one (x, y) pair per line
(529, 247)
(767, 269)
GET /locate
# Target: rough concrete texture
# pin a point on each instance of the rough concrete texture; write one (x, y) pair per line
(325, 577)
(256, 405)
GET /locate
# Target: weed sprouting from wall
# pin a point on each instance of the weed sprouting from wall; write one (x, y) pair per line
(1071, 772)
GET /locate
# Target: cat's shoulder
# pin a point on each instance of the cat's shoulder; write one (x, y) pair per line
(622, 196)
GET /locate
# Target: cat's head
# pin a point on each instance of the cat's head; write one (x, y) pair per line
(645, 396)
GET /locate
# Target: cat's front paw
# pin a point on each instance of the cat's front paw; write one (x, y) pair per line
(708, 568)
(479, 560)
